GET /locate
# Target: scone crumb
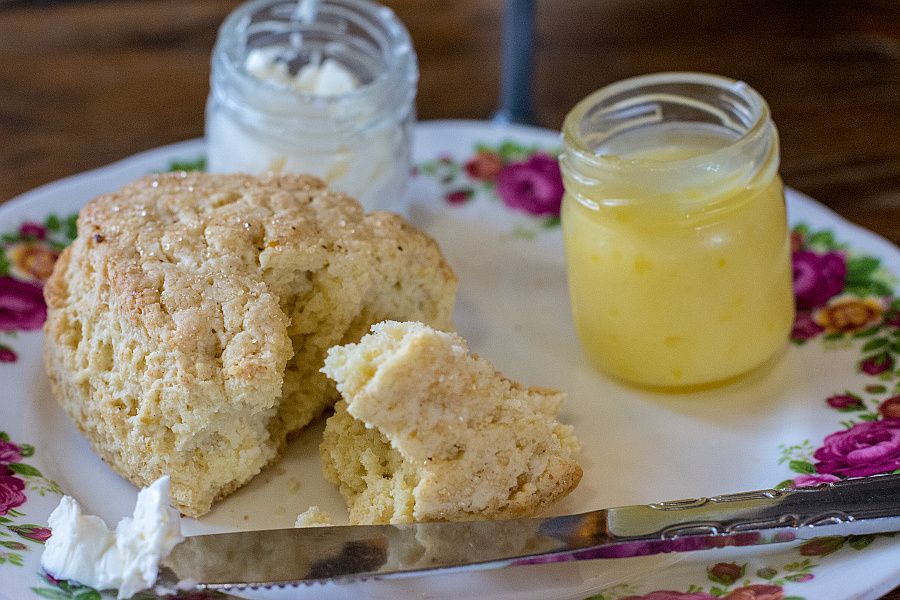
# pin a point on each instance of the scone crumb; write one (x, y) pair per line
(313, 517)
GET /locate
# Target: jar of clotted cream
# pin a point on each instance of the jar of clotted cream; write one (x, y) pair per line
(677, 245)
(331, 94)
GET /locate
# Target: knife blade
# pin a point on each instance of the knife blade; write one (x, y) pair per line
(298, 556)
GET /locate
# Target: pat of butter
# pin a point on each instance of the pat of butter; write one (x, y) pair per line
(83, 549)
(330, 78)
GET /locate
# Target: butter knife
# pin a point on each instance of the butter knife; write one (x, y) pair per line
(290, 557)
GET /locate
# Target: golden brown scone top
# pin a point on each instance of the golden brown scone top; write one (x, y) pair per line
(178, 243)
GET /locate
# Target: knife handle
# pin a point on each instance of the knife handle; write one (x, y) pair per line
(849, 507)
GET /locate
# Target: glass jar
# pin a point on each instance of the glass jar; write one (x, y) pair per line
(676, 237)
(358, 141)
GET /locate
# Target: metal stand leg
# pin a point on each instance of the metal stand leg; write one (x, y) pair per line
(517, 63)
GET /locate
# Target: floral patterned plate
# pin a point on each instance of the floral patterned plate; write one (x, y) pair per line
(828, 408)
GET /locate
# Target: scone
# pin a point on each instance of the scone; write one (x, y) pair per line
(188, 322)
(428, 432)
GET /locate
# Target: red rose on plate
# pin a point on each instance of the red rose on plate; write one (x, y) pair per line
(670, 595)
(21, 305)
(7, 355)
(484, 165)
(32, 230)
(805, 327)
(726, 573)
(759, 591)
(818, 277)
(32, 532)
(890, 408)
(9, 452)
(11, 493)
(845, 402)
(877, 364)
(534, 186)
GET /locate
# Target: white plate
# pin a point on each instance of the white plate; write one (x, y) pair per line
(513, 308)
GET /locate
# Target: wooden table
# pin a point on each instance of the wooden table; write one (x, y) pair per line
(85, 83)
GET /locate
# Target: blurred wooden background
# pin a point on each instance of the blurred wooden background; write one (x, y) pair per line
(83, 83)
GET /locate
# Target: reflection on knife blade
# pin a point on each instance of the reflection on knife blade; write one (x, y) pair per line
(300, 556)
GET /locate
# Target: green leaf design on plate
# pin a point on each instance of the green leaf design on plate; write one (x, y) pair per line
(867, 332)
(802, 467)
(822, 240)
(551, 222)
(860, 268)
(52, 222)
(868, 288)
(23, 469)
(52, 594)
(858, 542)
(875, 344)
(4, 262)
(70, 227)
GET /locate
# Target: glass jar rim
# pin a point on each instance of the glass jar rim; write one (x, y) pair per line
(759, 126)
(400, 62)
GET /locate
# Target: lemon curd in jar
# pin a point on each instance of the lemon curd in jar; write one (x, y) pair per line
(677, 245)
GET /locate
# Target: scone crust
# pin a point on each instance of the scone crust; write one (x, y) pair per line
(427, 431)
(187, 322)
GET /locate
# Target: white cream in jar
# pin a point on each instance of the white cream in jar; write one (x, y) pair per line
(333, 97)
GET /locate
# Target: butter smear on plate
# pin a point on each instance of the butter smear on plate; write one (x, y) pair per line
(83, 549)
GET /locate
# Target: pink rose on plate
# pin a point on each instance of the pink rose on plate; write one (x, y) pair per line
(818, 277)
(812, 480)
(867, 448)
(534, 186)
(12, 493)
(21, 305)
(9, 452)
(670, 595)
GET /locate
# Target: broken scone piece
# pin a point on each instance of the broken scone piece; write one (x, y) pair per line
(428, 432)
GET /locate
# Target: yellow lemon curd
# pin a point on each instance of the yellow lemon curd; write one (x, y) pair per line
(678, 255)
